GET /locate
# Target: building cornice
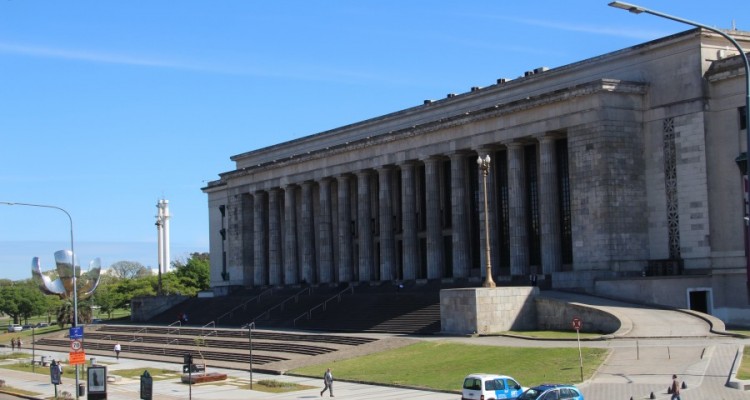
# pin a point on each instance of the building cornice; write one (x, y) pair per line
(462, 118)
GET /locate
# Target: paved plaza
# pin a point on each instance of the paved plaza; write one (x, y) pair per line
(653, 345)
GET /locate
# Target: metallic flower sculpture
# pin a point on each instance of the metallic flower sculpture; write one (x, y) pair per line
(63, 286)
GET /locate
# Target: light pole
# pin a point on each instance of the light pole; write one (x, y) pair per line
(637, 10)
(73, 262)
(484, 165)
(250, 326)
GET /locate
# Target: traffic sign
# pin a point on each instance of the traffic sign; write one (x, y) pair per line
(76, 332)
(577, 323)
(77, 358)
(76, 346)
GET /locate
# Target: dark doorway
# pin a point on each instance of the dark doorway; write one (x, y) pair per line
(699, 301)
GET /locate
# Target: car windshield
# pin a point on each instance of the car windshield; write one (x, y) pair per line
(531, 394)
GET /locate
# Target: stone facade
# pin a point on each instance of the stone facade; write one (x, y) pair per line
(606, 169)
(487, 310)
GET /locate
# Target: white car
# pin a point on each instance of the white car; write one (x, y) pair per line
(15, 328)
(490, 387)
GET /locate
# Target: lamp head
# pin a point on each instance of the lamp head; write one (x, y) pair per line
(626, 6)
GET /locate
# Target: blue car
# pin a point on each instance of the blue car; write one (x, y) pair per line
(552, 392)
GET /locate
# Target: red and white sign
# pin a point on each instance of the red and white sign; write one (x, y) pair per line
(76, 346)
(577, 323)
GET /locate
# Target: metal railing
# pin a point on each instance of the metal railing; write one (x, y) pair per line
(179, 326)
(281, 305)
(324, 305)
(244, 304)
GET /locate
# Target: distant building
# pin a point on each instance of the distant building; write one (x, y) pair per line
(615, 175)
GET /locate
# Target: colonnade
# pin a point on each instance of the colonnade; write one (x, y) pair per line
(419, 219)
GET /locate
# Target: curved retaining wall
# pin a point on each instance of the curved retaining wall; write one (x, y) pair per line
(555, 314)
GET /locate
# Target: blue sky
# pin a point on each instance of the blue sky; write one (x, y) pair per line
(107, 107)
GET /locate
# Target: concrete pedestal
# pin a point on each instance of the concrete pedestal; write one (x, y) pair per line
(487, 310)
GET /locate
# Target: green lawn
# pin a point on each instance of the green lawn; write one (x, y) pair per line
(442, 365)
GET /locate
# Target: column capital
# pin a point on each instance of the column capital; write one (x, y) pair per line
(513, 144)
(434, 159)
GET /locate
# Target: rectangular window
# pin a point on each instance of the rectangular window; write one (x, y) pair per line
(743, 118)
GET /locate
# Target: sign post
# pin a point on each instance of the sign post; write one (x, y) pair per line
(77, 354)
(577, 324)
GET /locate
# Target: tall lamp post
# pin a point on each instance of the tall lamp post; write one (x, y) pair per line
(484, 165)
(73, 261)
(637, 10)
(250, 326)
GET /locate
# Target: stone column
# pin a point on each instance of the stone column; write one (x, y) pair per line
(260, 214)
(519, 243)
(325, 233)
(435, 257)
(364, 226)
(346, 264)
(549, 212)
(307, 267)
(275, 257)
(459, 215)
(387, 235)
(291, 263)
(409, 221)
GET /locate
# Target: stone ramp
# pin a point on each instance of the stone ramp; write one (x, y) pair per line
(643, 321)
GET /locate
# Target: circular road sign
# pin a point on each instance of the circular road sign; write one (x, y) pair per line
(76, 345)
(577, 323)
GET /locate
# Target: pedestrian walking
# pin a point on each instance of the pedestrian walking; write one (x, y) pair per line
(19, 343)
(675, 388)
(118, 348)
(12, 344)
(328, 382)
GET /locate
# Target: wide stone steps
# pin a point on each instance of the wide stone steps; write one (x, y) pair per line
(228, 348)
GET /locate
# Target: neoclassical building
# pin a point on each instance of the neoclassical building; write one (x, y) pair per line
(615, 175)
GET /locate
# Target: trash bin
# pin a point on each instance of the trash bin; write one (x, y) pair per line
(81, 389)
(93, 360)
(44, 360)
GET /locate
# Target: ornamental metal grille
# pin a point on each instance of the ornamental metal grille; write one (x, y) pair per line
(563, 188)
(670, 186)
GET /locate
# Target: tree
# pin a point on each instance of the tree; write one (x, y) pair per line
(21, 301)
(108, 299)
(195, 272)
(66, 313)
(128, 270)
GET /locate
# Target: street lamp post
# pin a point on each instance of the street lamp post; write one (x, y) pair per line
(637, 10)
(250, 326)
(73, 261)
(484, 165)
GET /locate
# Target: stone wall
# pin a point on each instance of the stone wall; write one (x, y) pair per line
(143, 308)
(557, 315)
(487, 310)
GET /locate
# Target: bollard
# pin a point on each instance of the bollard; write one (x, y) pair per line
(147, 386)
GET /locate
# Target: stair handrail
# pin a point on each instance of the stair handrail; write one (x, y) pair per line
(324, 304)
(245, 303)
(179, 326)
(294, 297)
